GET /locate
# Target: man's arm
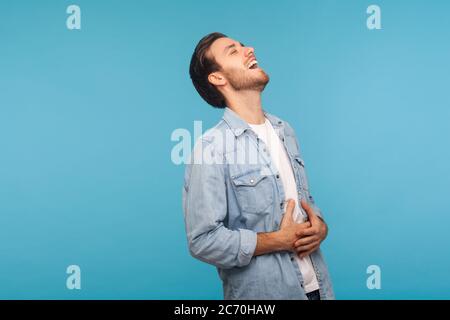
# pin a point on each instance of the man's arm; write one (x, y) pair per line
(205, 209)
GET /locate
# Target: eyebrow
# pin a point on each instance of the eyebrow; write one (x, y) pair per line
(232, 46)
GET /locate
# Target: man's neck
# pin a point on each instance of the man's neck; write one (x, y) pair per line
(247, 104)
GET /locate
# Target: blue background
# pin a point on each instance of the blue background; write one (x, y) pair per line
(86, 118)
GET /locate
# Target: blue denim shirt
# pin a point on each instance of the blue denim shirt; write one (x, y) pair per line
(231, 192)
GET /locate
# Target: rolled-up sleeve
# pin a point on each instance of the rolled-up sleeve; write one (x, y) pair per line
(205, 210)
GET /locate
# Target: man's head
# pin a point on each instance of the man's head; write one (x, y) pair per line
(221, 66)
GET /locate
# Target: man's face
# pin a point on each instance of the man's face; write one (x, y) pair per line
(238, 65)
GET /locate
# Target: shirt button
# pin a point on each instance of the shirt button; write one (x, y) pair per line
(281, 205)
(292, 258)
(278, 176)
(251, 180)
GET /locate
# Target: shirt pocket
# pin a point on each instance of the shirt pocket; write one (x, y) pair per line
(254, 191)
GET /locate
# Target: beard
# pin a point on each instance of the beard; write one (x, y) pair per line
(247, 79)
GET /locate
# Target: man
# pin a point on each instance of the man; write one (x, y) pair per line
(246, 201)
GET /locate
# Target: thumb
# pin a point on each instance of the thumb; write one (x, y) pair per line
(308, 209)
(290, 209)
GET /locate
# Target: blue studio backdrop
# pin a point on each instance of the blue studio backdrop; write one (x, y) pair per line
(87, 116)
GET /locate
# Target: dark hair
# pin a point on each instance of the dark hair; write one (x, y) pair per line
(200, 68)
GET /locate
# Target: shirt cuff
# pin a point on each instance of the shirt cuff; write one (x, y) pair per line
(247, 246)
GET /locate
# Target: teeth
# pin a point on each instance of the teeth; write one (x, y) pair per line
(251, 64)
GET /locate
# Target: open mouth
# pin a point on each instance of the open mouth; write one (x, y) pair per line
(253, 64)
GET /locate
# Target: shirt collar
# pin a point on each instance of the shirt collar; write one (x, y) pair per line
(238, 125)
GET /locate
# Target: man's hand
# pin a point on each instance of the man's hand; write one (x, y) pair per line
(289, 229)
(301, 238)
(310, 238)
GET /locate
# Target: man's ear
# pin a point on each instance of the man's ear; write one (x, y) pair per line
(217, 79)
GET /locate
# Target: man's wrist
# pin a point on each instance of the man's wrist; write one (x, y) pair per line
(268, 242)
(281, 241)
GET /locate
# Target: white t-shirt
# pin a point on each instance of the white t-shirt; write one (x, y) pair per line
(280, 158)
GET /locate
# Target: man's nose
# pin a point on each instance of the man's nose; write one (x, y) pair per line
(249, 51)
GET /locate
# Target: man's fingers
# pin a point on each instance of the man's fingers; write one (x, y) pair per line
(290, 208)
(307, 253)
(306, 232)
(305, 250)
(306, 240)
(307, 247)
(302, 226)
(308, 209)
